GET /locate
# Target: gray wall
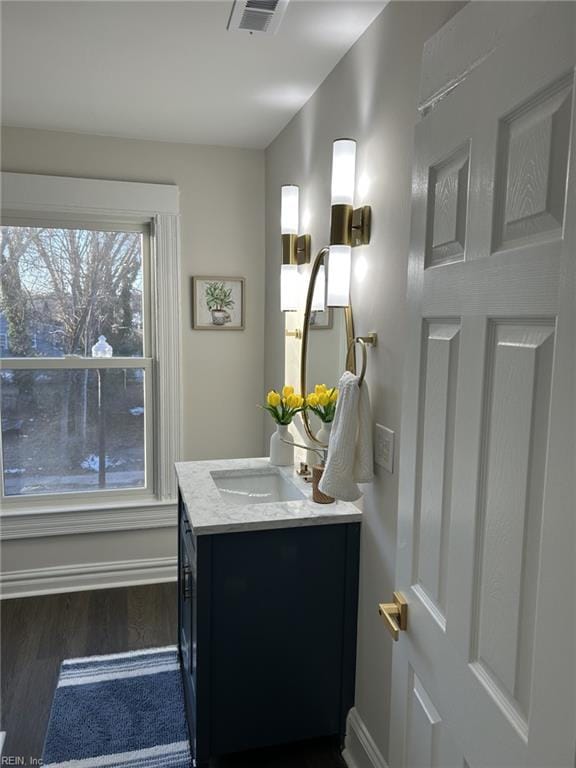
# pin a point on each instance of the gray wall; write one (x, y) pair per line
(371, 96)
(222, 223)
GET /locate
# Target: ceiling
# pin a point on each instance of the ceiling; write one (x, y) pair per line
(168, 70)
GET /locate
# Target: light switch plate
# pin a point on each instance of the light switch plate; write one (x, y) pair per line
(384, 448)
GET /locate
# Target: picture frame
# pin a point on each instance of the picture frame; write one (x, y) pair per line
(322, 320)
(218, 303)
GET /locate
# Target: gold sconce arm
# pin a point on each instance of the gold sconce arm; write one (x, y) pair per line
(341, 224)
(350, 226)
(361, 225)
(303, 248)
(288, 249)
(296, 249)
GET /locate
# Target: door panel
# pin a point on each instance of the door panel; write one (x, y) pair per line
(424, 723)
(482, 677)
(428, 739)
(432, 524)
(447, 208)
(514, 430)
(532, 164)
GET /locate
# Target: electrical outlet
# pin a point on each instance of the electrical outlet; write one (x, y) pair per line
(384, 448)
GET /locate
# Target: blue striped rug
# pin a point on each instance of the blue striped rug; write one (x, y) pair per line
(125, 709)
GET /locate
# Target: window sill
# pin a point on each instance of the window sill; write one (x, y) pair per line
(103, 517)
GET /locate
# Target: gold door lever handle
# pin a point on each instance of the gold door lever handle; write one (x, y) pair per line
(395, 615)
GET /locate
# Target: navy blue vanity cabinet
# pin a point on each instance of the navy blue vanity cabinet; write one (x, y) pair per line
(267, 634)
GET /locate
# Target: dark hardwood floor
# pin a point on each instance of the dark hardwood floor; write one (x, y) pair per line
(37, 633)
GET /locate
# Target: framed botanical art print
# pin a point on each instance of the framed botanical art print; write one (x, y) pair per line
(218, 303)
(321, 320)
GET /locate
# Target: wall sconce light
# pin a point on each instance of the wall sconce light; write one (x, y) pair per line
(295, 251)
(349, 227)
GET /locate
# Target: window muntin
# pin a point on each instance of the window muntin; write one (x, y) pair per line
(71, 423)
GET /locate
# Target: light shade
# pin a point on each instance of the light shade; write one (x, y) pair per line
(319, 295)
(343, 171)
(290, 288)
(339, 263)
(289, 210)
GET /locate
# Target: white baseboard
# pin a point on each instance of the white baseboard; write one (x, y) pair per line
(73, 578)
(361, 750)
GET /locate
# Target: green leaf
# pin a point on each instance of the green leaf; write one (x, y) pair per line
(217, 296)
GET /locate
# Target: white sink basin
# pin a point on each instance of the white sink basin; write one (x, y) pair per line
(241, 487)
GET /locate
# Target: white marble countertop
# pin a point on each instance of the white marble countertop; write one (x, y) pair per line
(209, 513)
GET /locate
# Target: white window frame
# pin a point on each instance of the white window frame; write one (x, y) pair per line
(54, 200)
(73, 363)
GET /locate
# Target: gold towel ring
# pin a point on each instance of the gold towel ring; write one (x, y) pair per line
(371, 339)
(364, 358)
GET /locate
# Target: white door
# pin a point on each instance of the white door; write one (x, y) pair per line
(484, 675)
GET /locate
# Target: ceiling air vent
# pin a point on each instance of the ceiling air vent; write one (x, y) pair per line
(257, 15)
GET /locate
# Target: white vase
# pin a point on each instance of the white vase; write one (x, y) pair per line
(324, 432)
(281, 454)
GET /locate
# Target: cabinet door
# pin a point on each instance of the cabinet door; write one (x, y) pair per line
(186, 589)
(186, 612)
(277, 641)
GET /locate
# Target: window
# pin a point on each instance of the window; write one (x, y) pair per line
(52, 386)
(73, 422)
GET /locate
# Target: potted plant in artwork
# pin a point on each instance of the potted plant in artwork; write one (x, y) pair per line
(219, 300)
(322, 402)
(283, 406)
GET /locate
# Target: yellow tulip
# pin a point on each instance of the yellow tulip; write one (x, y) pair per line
(294, 401)
(287, 391)
(319, 388)
(334, 396)
(312, 399)
(273, 398)
(324, 398)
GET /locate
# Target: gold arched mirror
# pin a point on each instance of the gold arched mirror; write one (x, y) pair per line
(326, 349)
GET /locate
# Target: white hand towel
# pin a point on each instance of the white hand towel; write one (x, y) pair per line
(364, 459)
(350, 453)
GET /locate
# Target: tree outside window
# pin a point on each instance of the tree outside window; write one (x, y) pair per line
(60, 289)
